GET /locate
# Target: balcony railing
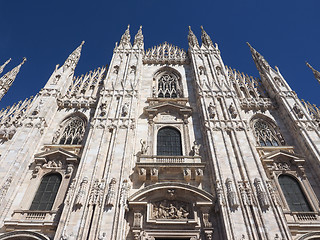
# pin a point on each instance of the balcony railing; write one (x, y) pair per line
(30, 215)
(305, 216)
(144, 159)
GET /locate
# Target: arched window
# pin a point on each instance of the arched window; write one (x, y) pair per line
(266, 134)
(169, 142)
(47, 192)
(73, 131)
(168, 86)
(293, 194)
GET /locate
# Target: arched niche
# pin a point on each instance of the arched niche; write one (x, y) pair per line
(170, 208)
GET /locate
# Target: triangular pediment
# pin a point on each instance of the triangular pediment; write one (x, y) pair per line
(162, 107)
(282, 154)
(168, 107)
(54, 154)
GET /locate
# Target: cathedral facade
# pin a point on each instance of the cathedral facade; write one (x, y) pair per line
(163, 144)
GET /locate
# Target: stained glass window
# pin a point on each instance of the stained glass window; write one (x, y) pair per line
(46, 193)
(169, 142)
(293, 194)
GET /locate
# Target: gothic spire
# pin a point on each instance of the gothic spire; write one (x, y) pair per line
(205, 38)
(125, 39)
(138, 39)
(315, 72)
(7, 79)
(258, 58)
(73, 58)
(3, 66)
(192, 39)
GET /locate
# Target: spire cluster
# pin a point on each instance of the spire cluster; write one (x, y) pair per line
(205, 38)
(7, 79)
(125, 39)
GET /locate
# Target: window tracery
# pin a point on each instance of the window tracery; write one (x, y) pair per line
(72, 131)
(266, 134)
(168, 86)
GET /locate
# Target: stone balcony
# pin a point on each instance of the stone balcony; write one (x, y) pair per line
(29, 219)
(303, 217)
(162, 168)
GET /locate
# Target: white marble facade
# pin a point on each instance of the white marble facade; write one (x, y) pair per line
(164, 144)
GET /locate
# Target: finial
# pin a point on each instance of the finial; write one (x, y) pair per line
(125, 39)
(192, 39)
(73, 58)
(3, 66)
(82, 42)
(7, 79)
(24, 59)
(138, 39)
(315, 72)
(206, 40)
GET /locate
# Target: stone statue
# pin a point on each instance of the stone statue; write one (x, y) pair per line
(125, 110)
(196, 148)
(211, 110)
(144, 147)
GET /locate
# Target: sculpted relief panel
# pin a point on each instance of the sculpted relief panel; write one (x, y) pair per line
(168, 209)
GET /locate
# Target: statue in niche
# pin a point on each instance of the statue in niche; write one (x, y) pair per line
(125, 110)
(211, 110)
(170, 210)
(196, 148)
(144, 147)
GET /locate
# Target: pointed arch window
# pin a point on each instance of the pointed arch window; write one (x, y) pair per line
(168, 86)
(46, 193)
(266, 134)
(169, 142)
(73, 131)
(293, 194)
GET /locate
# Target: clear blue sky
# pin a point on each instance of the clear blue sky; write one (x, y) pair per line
(286, 33)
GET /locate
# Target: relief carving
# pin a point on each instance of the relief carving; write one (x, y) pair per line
(5, 187)
(262, 195)
(211, 110)
(167, 209)
(96, 194)
(80, 197)
(232, 194)
(110, 199)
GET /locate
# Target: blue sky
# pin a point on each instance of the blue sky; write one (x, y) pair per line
(286, 33)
